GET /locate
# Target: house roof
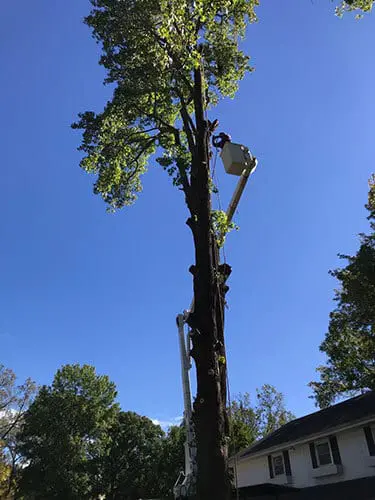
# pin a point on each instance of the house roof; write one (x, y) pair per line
(348, 411)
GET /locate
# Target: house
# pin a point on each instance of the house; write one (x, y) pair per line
(327, 455)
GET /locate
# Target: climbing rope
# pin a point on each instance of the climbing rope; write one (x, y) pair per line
(215, 180)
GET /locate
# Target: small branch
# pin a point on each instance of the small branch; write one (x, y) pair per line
(146, 146)
(16, 420)
(178, 65)
(188, 131)
(185, 182)
(189, 127)
(157, 119)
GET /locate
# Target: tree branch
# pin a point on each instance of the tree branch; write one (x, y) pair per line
(188, 124)
(185, 183)
(158, 120)
(17, 418)
(177, 63)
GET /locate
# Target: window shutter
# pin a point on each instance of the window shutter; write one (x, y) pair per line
(288, 470)
(369, 440)
(313, 456)
(335, 450)
(270, 466)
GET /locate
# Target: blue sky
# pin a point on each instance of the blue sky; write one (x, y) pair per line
(79, 285)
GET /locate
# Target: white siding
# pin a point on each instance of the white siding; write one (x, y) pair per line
(354, 456)
(252, 471)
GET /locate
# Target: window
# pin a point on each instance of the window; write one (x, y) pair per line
(323, 452)
(278, 465)
(369, 434)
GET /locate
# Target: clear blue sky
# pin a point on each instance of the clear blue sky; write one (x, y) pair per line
(79, 285)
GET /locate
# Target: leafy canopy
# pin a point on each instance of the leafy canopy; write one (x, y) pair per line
(65, 435)
(131, 466)
(350, 341)
(150, 51)
(172, 460)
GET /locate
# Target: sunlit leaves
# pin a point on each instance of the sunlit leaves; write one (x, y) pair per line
(221, 226)
(150, 50)
(66, 433)
(354, 5)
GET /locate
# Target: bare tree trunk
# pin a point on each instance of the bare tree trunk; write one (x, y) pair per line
(207, 322)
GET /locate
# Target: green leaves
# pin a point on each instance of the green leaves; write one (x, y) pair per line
(350, 341)
(221, 226)
(250, 422)
(354, 5)
(65, 434)
(150, 50)
(172, 460)
(77, 444)
(130, 468)
(117, 153)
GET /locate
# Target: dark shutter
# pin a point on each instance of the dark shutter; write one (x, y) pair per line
(288, 470)
(270, 466)
(313, 456)
(369, 440)
(335, 450)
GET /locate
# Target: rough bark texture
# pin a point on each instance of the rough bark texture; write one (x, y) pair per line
(207, 323)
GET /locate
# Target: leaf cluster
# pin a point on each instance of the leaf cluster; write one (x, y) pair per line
(354, 5)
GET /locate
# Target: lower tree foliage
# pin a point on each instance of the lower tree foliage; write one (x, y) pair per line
(65, 435)
(350, 341)
(250, 422)
(172, 460)
(130, 469)
(75, 443)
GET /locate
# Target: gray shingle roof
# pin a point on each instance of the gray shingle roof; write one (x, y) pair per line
(351, 410)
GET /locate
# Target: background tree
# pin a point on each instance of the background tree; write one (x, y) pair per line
(243, 424)
(248, 422)
(350, 341)
(251, 422)
(65, 435)
(131, 467)
(170, 60)
(14, 401)
(172, 460)
(270, 410)
(5, 473)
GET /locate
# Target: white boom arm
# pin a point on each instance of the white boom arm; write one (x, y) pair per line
(250, 166)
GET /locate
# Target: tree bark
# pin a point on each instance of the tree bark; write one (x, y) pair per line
(207, 322)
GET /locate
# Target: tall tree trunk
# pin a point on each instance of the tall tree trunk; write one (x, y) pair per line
(206, 322)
